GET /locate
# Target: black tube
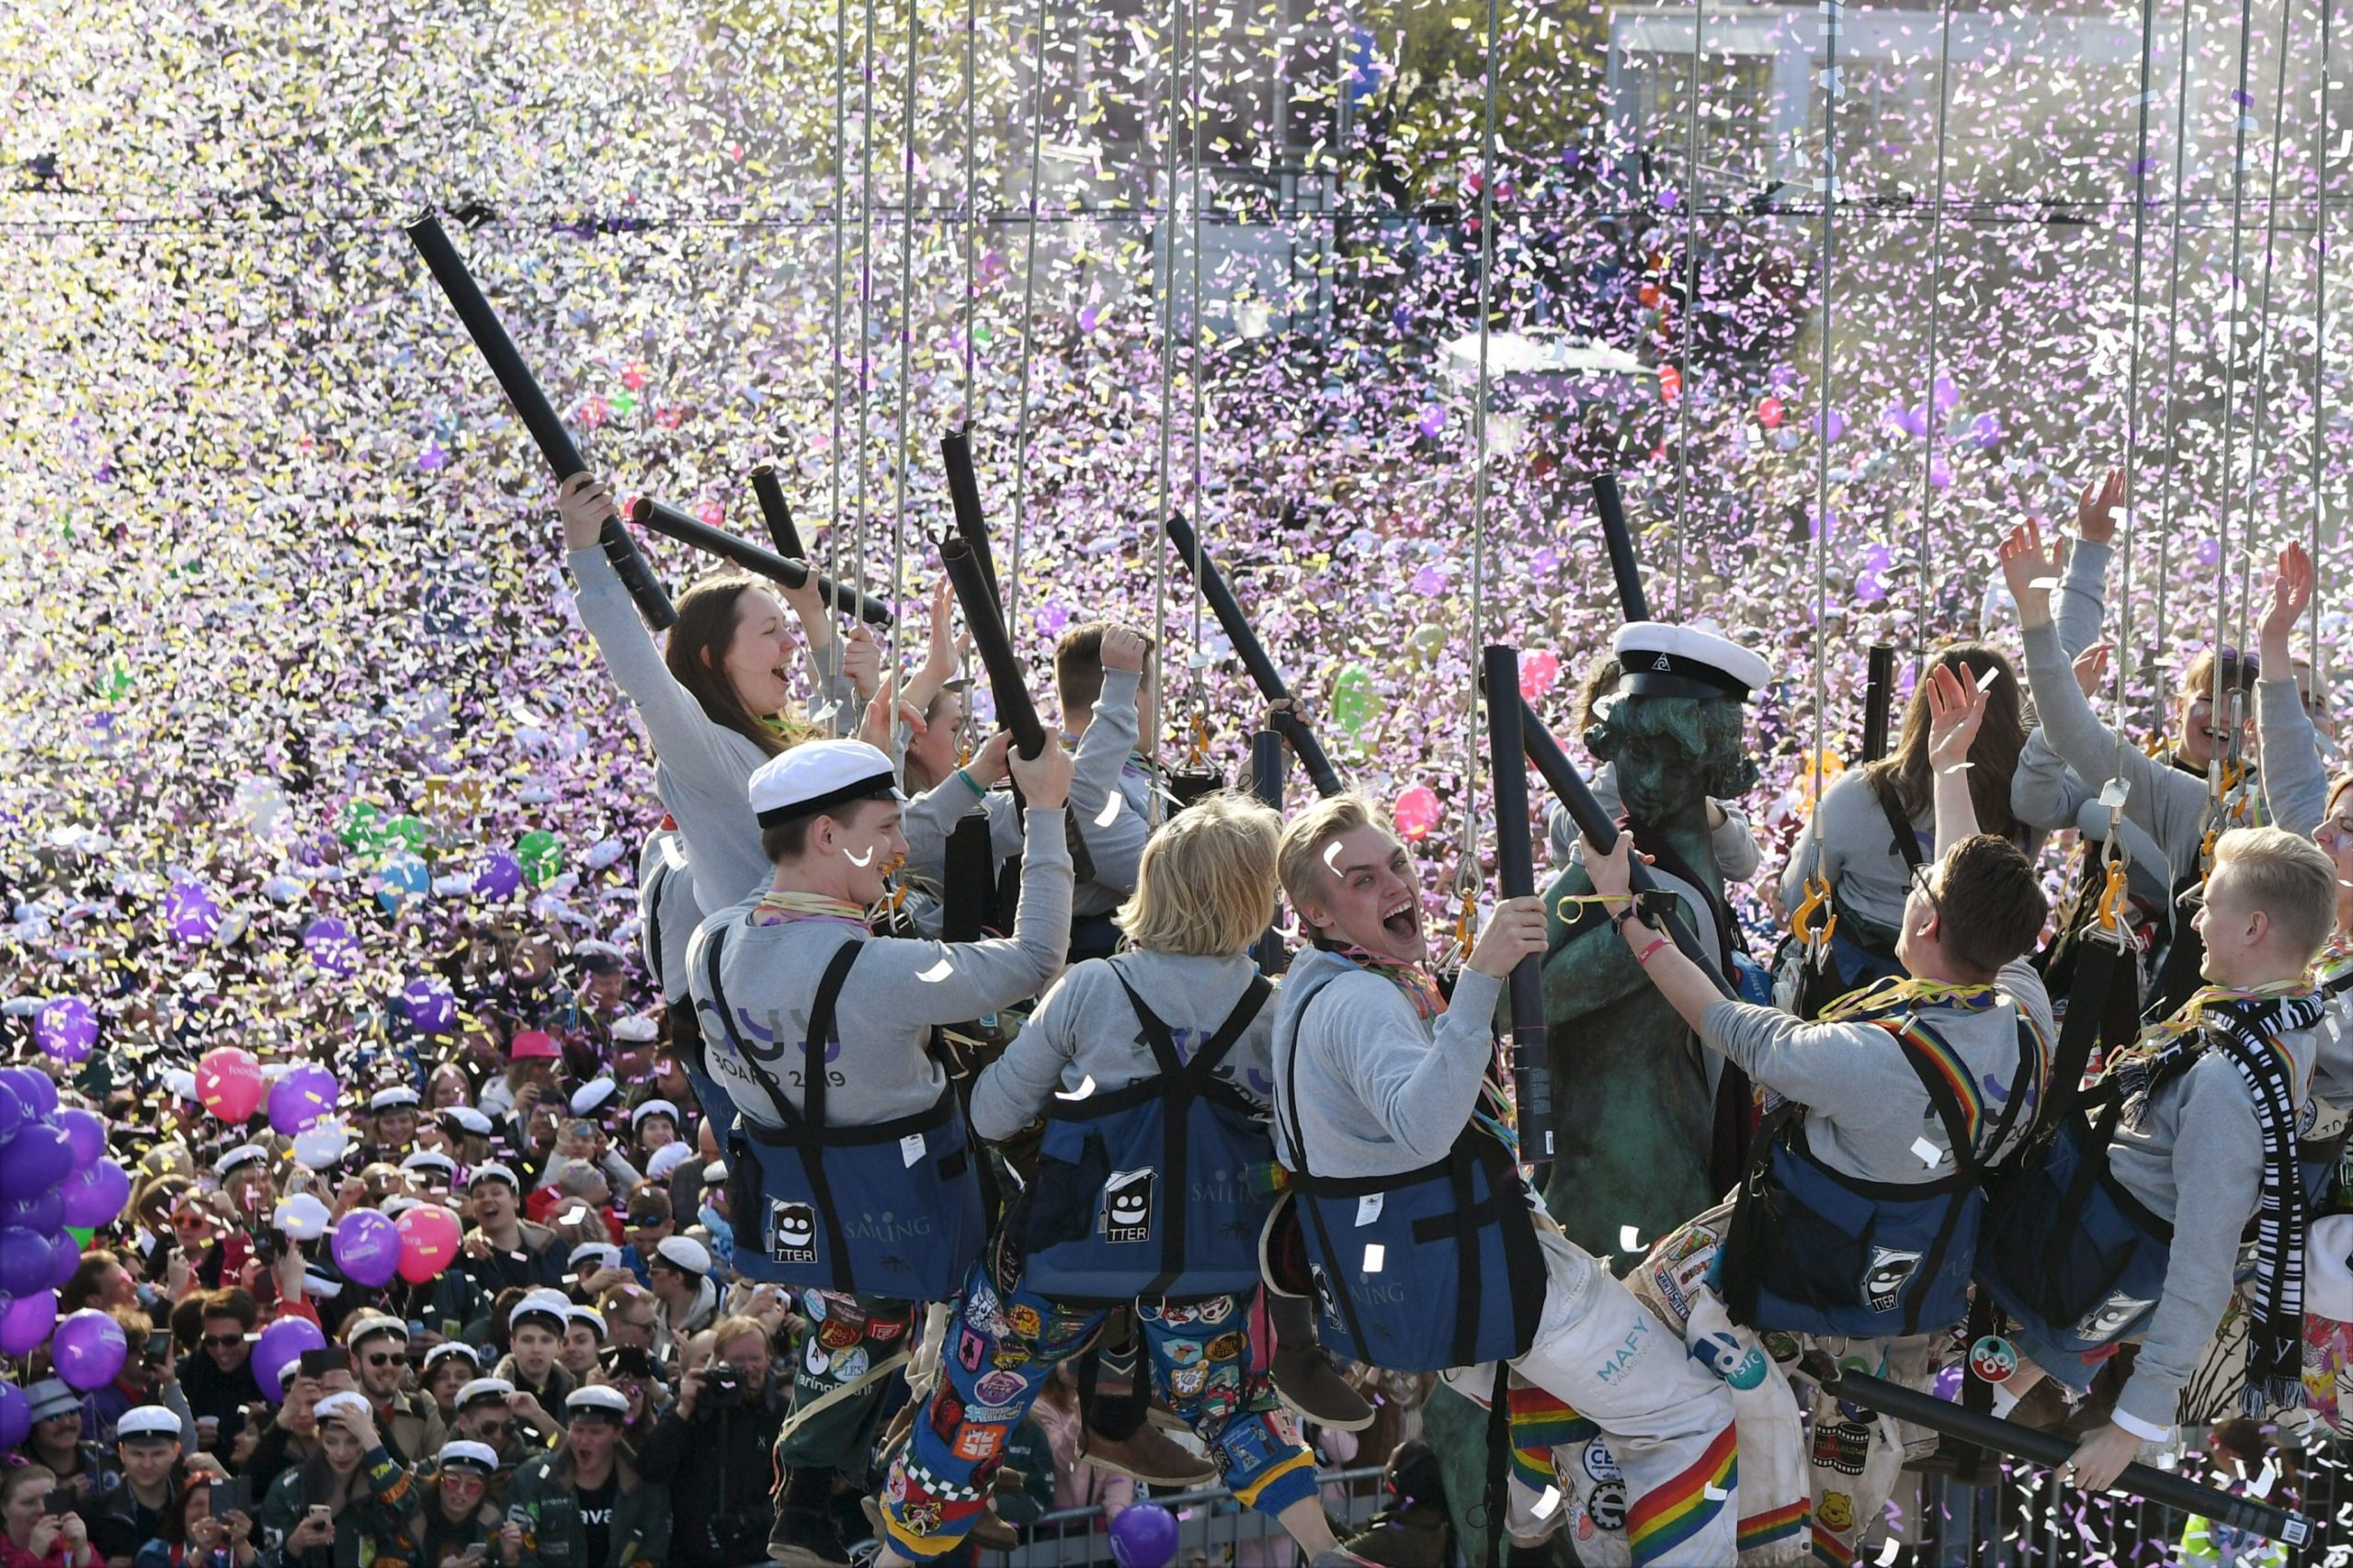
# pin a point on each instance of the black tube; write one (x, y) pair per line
(966, 881)
(1015, 711)
(2050, 1448)
(1570, 787)
(481, 324)
(670, 523)
(1622, 564)
(1516, 876)
(1270, 680)
(1879, 697)
(1267, 783)
(965, 499)
(778, 515)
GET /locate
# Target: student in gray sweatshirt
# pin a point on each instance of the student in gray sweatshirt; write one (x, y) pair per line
(852, 1170)
(1875, 824)
(1858, 1222)
(1386, 1115)
(1151, 1069)
(2202, 1140)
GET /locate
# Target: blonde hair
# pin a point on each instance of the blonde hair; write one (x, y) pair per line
(2291, 880)
(1299, 860)
(1206, 883)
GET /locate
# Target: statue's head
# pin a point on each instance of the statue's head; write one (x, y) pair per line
(1672, 753)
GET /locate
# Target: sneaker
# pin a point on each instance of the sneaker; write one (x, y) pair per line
(1309, 1382)
(807, 1538)
(1147, 1456)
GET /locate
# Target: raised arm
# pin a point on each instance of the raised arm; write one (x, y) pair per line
(2083, 596)
(1114, 843)
(1010, 1092)
(2295, 784)
(1956, 708)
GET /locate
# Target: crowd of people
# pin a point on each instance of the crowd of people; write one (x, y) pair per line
(813, 1218)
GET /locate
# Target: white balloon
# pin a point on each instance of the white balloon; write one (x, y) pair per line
(321, 1145)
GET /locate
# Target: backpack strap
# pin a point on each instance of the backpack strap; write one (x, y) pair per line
(1162, 1043)
(1907, 841)
(753, 1061)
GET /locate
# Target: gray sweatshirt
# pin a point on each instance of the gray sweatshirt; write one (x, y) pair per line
(1859, 856)
(899, 990)
(1085, 1028)
(666, 912)
(1101, 770)
(1866, 1114)
(703, 771)
(1733, 844)
(2196, 1160)
(1381, 1091)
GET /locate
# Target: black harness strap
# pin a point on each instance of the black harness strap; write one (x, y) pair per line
(2102, 1004)
(1183, 1083)
(1968, 1164)
(1907, 839)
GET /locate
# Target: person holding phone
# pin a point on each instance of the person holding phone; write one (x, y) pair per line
(55, 1440)
(38, 1529)
(216, 1377)
(410, 1422)
(585, 1504)
(456, 1524)
(209, 1525)
(341, 1505)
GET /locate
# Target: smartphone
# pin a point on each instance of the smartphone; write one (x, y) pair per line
(585, 1131)
(159, 1345)
(60, 1500)
(234, 1496)
(415, 1328)
(319, 1363)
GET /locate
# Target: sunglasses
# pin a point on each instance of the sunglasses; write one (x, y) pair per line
(497, 1429)
(224, 1341)
(385, 1358)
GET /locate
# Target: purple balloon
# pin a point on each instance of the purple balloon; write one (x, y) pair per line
(13, 1113)
(430, 1007)
(278, 1347)
(36, 1091)
(85, 1131)
(66, 1028)
(88, 1348)
(299, 1099)
(499, 875)
(16, 1416)
(1986, 430)
(367, 1247)
(95, 1196)
(65, 1255)
(43, 1211)
(25, 1261)
(24, 1326)
(1948, 1384)
(1144, 1536)
(35, 1160)
(328, 941)
(191, 911)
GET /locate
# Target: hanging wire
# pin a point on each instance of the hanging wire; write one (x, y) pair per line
(1199, 672)
(1029, 324)
(971, 208)
(2320, 344)
(1469, 881)
(835, 718)
(2157, 630)
(1935, 306)
(1176, 20)
(897, 670)
(865, 296)
(1688, 327)
(1829, 184)
(2132, 404)
(2227, 706)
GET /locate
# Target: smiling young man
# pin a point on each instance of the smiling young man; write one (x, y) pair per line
(819, 1030)
(1426, 1250)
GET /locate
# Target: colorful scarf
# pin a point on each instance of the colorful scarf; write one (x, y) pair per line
(1903, 994)
(2247, 1028)
(779, 904)
(2332, 971)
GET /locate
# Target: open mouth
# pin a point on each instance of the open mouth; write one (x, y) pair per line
(1404, 921)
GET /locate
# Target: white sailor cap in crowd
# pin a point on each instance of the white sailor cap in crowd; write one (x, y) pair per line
(348, 1403)
(2328, 1268)
(540, 1311)
(484, 1388)
(317, 1281)
(467, 1120)
(600, 954)
(494, 1172)
(1659, 660)
(399, 1204)
(667, 1158)
(818, 775)
(653, 1107)
(590, 1316)
(181, 1083)
(684, 1252)
(448, 1348)
(547, 1296)
(431, 1160)
(302, 1216)
(597, 1254)
(469, 1457)
(637, 1028)
(593, 1095)
(597, 1402)
(400, 1096)
(50, 1398)
(367, 1325)
(147, 1424)
(243, 1154)
(715, 1174)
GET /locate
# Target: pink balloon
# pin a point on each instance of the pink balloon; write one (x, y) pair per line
(1538, 671)
(1417, 811)
(429, 1236)
(368, 1247)
(88, 1347)
(24, 1326)
(229, 1082)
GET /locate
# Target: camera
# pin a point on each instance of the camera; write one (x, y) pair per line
(722, 1387)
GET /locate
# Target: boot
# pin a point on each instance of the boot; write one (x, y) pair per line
(1412, 1529)
(988, 1533)
(804, 1534)
(1146, 1454)
(1309, 1382)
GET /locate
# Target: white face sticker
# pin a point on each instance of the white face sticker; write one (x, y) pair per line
(1111, 812)
(862, 862)
(1630, 1238)
(1084, 1088)
(938, 971)
(1331, 853)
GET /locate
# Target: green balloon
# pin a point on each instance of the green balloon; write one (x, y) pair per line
(1354, 704)
(362, 825)
(82, 1235)
(541, 856)
(410, 831)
